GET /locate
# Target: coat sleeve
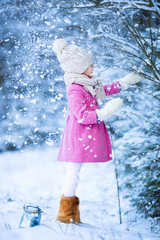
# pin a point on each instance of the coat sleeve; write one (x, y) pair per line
(78, 107)
(112, 88)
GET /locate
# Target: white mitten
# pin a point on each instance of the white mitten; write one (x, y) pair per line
(130, 79)
(109, 108)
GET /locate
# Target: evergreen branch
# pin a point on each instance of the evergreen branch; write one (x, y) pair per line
(149, 94)
(156, 6)
(137, 4)
(121, 40)
(138, 38)
(146, 119)
(121, 49)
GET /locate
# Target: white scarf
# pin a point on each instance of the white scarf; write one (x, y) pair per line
(93, 86)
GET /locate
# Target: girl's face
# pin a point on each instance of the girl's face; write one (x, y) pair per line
(89, 71)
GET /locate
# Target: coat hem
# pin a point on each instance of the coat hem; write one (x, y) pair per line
(86, 161)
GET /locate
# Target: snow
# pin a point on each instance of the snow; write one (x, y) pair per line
(33, 112)
(37, 177)
(90, 136)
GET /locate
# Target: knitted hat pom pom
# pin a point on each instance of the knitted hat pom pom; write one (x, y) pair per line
(59, 45)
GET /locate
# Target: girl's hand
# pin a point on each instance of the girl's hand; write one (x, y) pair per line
(130, 79)
(110, 108)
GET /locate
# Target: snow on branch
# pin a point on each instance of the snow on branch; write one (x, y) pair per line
(121, 41)
(144, 47)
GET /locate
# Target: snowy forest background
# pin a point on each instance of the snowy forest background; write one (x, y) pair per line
(33, 102)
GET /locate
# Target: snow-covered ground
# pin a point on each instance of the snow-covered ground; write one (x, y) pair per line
(36, 177)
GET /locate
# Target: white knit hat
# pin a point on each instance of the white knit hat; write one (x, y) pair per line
(72, 58)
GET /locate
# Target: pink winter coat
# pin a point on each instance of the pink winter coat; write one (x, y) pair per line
(84, 139)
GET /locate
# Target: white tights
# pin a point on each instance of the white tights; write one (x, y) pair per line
(72, 178)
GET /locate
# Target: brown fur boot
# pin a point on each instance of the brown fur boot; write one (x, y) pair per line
(68, 210)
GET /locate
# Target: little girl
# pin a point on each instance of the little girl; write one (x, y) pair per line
(85, 138)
